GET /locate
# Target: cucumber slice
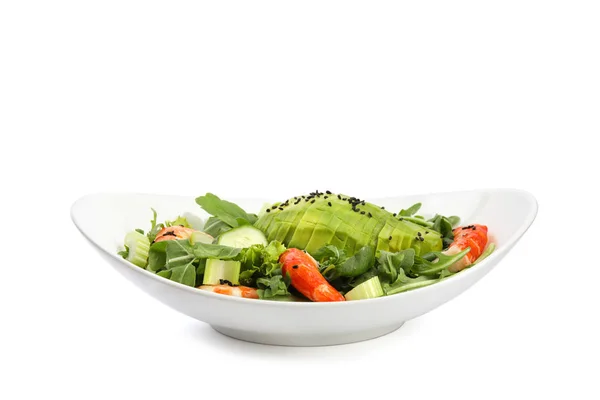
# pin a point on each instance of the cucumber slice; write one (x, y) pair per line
(242, 237)
(139, 247)
(220, 270)
(201, 237)
(366, 290)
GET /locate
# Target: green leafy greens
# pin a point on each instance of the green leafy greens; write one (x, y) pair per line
(225, 215)
(183, 262)
(438, 223)
(397, 272)
(260, 268)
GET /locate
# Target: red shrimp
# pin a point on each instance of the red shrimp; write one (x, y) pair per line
(237, 291)
(473, 236)
(306, 278)
(173, 233)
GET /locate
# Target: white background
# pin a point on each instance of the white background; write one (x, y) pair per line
(277, 98)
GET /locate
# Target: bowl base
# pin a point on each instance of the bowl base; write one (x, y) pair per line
(305, 340)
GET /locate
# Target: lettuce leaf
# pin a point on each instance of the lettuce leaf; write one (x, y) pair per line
(179, 221)
(260, 268)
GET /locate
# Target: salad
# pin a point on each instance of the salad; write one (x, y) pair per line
(318, 247)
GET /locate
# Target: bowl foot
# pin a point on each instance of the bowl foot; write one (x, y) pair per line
(318, 339)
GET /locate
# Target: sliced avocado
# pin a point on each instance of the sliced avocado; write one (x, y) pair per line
(316, 221)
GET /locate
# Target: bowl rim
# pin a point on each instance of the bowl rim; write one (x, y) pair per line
(498, 253)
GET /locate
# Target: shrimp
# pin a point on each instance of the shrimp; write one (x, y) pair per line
(473, 236)
(306, 278)
(237, 291)
(173, 233)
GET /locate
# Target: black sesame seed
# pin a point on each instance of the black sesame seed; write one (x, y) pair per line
(312, 201)
(382, 207)
(328, 192)
(418, 233)
(394, 214)
(268, 210)
(281, 208)
(362, 212)
(370, 215)
(325, 197)
(329, 203)
(390, 238)
(339, 197)
(295, 267)
(426, 232)
(401, 219)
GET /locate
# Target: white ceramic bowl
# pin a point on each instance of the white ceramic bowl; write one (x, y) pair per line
(105, 218)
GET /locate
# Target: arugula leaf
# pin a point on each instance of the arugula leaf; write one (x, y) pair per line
(165, 273)
(157, 257)
(444, 225)
(203, 250)
(214, 227)
(179, 252)
(155, 228)
(419, 221)
(454, 220)
(226, 211)
(124, 253)
(404, 283)
(185, 274)
(390, 264)
(410, 211)
(422, 266)
(358, 264)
